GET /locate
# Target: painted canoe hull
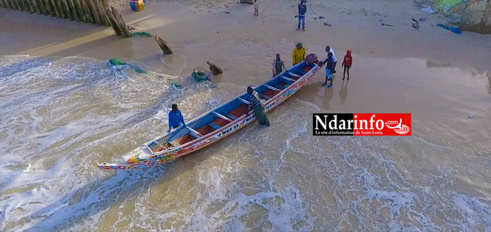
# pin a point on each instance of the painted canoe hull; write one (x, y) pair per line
(172, 154)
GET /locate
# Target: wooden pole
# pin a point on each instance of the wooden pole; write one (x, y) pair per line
(111, 18)
(11, 4)
(52, 6)
(163, 45)
(16, 4)
(77, 8)
(64, 9)
(73, 9)
(88, 9)
(7, 4)
(28, 6)
(59, 7)
(214, 68)
(105, 4)
(84, 8)
(95, 13)
(100, 12)
(46, 9)
(38, 5)
(31, 6)
(21, 5)
(125, 32)
(34, 6)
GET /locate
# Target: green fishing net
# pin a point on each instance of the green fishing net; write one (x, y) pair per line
(141, 34)
(199, 76)
(116, 61)
(446, 5)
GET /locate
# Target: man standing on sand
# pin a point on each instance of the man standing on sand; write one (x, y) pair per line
(348, 60)
(329, 49)
(329, 69)
(298, 54)
(302, 9)
(256, 8)
(278, 65)
(175, 118)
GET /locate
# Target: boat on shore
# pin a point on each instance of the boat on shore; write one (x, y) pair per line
(217, 123)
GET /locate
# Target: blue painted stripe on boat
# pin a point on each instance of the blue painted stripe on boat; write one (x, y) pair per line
(271, 87)
(221, 116)
(244, 101)
(214, 126)
(288, 79)
(231, 116)
(295, 75)
(193, 132)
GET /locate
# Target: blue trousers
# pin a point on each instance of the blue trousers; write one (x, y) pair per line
(328, 74)
(301, 18)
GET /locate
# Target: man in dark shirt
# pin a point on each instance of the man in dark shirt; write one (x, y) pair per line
(302, 9)
(278, 65)
(255, 102)
(329, 68)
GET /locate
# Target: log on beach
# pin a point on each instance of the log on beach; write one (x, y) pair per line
(117, 22)
(214, 68)
(125, 32)
(112, 20)
(163, 45)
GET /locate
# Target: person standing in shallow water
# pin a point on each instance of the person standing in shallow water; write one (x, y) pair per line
(175, 118)
(255, 102)
(302, 9)
(278, 65)
(256, 8)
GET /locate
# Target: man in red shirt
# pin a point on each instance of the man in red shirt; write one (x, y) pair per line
(348, 60)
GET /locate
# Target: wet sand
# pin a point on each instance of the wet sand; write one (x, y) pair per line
(438, 76)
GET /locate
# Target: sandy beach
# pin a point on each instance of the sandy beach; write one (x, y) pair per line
(58, 92)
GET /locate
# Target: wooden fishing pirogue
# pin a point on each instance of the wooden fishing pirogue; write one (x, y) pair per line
(218, 123)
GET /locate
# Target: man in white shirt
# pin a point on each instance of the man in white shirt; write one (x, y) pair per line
(329, 49)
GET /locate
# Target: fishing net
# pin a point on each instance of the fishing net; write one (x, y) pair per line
(199, 76)
(145, 34)
(118, 62)
(446, 5)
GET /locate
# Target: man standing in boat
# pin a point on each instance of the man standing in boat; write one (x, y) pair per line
(175, 118)
(255, 102)
(278, 65)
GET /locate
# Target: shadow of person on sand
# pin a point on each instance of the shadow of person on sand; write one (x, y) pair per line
(343, 92)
